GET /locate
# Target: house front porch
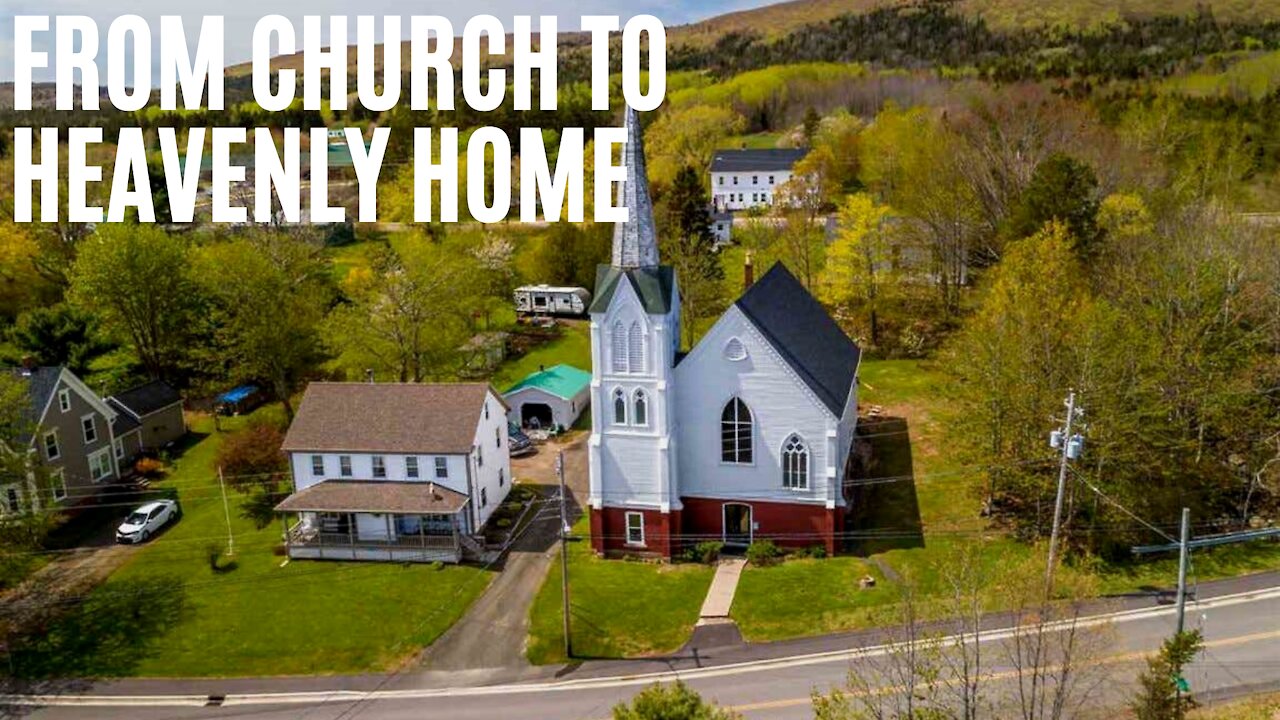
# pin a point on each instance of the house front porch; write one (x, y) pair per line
(377, 521)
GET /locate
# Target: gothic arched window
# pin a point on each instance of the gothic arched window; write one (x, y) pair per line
(635, 348)
(795, 464)
(735, 432)
(619, 407)
(619, 347)
(640, 414)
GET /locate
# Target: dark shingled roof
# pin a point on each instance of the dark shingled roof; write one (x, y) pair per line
(654, 286)
(125, 421)
(803, 333)
(387, 417)
(148, 398)
(41, 383)
(761, 159)
(375, 496)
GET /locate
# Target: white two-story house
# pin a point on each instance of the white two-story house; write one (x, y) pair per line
(402, 472)
(742, 179)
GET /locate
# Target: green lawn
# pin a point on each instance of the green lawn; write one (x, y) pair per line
(619, 608)
(167, 613)
(573, 347)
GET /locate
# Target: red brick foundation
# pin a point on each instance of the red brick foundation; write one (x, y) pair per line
(787, 524)
(609, 531)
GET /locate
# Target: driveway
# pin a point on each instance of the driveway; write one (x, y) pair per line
(491, 635)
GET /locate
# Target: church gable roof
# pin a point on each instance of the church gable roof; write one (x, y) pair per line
(802, 332)
(655, 287)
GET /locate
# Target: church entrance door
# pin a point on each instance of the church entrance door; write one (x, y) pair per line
(737, 524)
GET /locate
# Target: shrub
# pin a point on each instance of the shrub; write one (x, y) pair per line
(670, 702)
(250, 455)
(437, 565)
(816, 552)
(502, 523)
(707, 551)
(763, 552)
(149, 468)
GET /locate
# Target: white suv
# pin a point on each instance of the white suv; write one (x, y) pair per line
(146, 520)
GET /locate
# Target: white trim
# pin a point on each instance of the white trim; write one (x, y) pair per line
(84, 434)
(110, 466)
(808, 462)
(117, 446)
(61, 477)
(634, 543)
(64, 400)
(44, 441)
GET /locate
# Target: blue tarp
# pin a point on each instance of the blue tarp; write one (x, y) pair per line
(235, 395)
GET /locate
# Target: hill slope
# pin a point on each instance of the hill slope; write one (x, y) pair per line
(778, 19)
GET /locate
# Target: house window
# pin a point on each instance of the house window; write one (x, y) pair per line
(100, 465)
(51, 449)
(735, 433)
(619, 407)
(379, 466)
(58, 482)
(344, 465)
(442, 468)
(720, 180)
(734, 350)
(755, 179)
(795, 464)
(118, 444)
(317, 465)
(770, 179)
(89, 425)
(411, 466)
(484, 497)
(735, 179)
(479, 456)
(619, 345)
(502, 478)
(635, 349)
(635, 528)
(486, 410)
(497, 437)
(12, 499)
(64, 400)
(641, 413)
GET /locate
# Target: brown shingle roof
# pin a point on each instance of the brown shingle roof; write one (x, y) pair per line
(387, 417)
(375, 496)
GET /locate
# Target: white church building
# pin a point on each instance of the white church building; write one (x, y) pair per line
(745, 437)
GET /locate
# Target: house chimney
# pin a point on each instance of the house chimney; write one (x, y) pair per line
(748, 273)
(368, 375)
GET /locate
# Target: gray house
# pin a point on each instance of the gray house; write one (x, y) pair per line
(73, 437)
(85, 442)
(149, 416)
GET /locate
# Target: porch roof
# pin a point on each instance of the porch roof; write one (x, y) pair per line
(375, 496)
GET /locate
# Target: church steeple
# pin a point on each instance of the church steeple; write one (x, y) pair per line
(635, 242)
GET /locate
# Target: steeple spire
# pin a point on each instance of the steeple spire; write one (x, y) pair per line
(635, 242)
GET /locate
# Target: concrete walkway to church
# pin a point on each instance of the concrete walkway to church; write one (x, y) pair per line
(723, 586)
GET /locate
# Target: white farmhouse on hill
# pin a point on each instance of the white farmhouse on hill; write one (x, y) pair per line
(402, 472)
(742, 179)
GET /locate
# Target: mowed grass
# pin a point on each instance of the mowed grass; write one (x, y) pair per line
(573, 347)
(253, 616)
(618, 608)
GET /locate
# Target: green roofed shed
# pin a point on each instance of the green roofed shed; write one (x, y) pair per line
(553, 396)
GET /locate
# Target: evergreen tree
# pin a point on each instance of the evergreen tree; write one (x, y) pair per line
(1159, 697)
(688, 245)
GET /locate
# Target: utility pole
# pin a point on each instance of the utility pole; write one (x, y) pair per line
(564, 555)
(1071, 446)
(1184, 553)
(226, 510)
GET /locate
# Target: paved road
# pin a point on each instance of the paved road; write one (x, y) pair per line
(1243, 653)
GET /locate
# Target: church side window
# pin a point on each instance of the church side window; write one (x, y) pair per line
(635, 348)
(795, 464)
(641, 412)
(735, 432)
(619, 407)
(619, 353)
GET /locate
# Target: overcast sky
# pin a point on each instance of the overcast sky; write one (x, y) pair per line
(240, 15)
